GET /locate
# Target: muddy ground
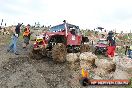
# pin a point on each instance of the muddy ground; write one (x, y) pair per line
(20, 71)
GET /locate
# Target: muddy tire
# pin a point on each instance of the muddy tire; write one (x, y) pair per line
(84, 48)
(96, 52)
(35, 54)
(59, 53)
(43, 52)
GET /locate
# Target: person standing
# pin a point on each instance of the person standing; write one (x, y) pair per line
(112, 45)
(129, 51)
(13, 44)
(26, 36)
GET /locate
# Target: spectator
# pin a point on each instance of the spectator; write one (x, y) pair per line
(112, 45)
(129, 49)
(13, 45)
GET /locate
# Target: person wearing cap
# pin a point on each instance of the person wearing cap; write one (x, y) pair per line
(112, 44)
(13, 44)
(26, 36)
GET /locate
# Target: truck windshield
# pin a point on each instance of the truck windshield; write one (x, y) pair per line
(61, 27)
(57, 28)
(76, 28)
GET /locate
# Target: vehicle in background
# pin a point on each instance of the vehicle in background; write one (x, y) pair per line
(101, 47)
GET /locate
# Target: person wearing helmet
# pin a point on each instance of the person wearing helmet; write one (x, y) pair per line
(111, 44)
(26, 36)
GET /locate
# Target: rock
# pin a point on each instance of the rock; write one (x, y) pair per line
(78, 54)
(105, 64)
(73, 60)
(87, 60)
(88, 56)
(85, 64)
(97, 77)
(123, 63)
(100, 72)
(71, 57)
(119, 74)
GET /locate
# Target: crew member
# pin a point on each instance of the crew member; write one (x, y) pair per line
(26, 36)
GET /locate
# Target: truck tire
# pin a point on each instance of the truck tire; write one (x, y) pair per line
(84, 48)
(59, 53)
(44, 51)
(35, 54)
(96, 52)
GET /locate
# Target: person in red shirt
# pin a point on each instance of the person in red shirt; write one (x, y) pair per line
(112, 45)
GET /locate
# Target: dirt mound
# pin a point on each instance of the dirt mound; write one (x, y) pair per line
(59, 53)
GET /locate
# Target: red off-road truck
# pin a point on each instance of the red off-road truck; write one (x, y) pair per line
(59, 40)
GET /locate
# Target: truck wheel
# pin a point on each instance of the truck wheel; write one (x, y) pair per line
(84, 48)
(96, 52)
(35, 54)
(59, 52)
(44, 51)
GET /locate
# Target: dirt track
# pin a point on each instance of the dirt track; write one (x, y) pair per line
(23, 72)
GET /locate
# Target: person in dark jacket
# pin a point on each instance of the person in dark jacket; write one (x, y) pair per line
(13, 44)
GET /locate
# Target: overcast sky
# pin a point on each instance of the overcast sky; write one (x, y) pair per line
(110, 14)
